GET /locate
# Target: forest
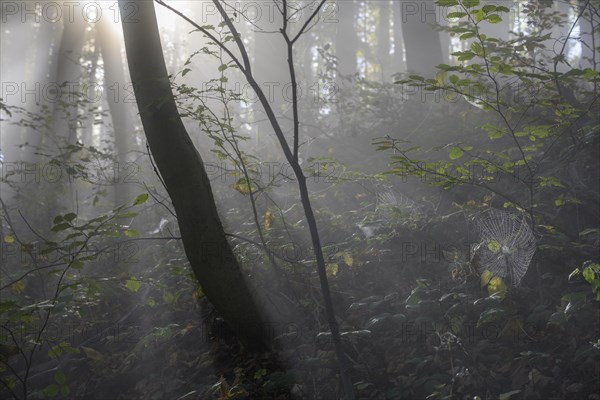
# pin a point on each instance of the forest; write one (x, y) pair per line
(307, 199)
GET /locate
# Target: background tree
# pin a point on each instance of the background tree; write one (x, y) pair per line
(421, 39)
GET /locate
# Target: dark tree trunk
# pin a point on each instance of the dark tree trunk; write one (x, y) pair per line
(187, 183)
(421, 40)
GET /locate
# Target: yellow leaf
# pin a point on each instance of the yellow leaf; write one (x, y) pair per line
(198, 293)
(494, 246)
(8, 239)
(332, 269)
(269, 218)
(486, 276)
(456, 274)
(242, 186)
(18, 286)
(498, 286)
(348, 259)
(440, 77)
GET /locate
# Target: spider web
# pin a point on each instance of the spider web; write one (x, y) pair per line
(507, 244)
(389, 200)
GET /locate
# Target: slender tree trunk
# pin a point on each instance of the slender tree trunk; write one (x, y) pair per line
(347, 41)
(114, 82)
(383, 38)
(187, 183)
(68, 67)
(398, 58)
(590, 36)
(421, 40)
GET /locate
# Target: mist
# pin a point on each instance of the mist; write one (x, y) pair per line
(333, 199)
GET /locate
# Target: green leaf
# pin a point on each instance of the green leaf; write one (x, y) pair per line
(479, 15)
(133, 285)
(52, 390)
(60, 227)
(589, 273)
(494, 246)
(489, 8)
(558, 318)
(494, 19)
(491, 315)
(141, 199)
(70, 217)
(131, 233)
(470, 3)
(185, 71)
(64, 391)
(168, 297)
(60, 377)
(447, 3)
(222, 67)
(456, 153)
(457, 14)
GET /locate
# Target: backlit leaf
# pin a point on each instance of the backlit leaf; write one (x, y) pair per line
(269, 218)
(133, 285)
(348, 259)
(331, 269)
(497, 287)
(455, 153)
(141, 199)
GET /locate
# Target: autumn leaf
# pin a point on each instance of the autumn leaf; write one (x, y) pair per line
(18, 286)
(133, 285)
(269, 218)
(332, 269)
(348, 259)
(242, 186)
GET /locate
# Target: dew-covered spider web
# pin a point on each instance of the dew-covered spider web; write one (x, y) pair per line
(388, 199)
(507, 244)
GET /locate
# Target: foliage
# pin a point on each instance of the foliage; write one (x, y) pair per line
(421, 315)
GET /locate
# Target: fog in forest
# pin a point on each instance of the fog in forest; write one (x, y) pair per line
(320, 199)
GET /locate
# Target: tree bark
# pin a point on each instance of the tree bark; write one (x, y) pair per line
(187, 183)
(114, 77)
(421, 40)
(346, 43)
(383, 38)
(398, 64)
